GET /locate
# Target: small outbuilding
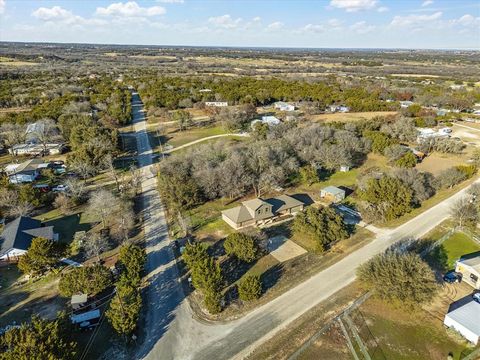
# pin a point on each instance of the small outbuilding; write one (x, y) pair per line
(78, 301)
(332, 193)
(466, 320)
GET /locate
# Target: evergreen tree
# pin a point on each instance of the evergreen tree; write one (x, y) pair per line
(250, 288)
(40, 256)
(242, 246)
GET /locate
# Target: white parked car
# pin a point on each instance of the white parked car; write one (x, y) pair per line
(60, 188)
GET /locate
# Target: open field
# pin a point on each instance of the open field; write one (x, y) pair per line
(346, 117)
(12, 62)
(436, 162)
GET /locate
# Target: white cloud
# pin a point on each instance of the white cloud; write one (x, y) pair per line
(277, 25)
(225, 21)
(55, 13)
(129, 9)
(354, 5)
(382, 9)
(2, 6)
(466, 20)
(415, 20)
(427, 3)
(171, 1)
(335, 23)
(59, 15)
(257, 19)
(362, 27)
(315, 28)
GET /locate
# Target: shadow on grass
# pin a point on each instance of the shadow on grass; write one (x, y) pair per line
(270, 277)
(67, 226)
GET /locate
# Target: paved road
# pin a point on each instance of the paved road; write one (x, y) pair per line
(171, 331)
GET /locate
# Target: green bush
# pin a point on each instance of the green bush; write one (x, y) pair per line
(323, 226)
(402, 278)
(242, 246)
(89, 280)
(250, 288)
(408, 160)
(467, 170)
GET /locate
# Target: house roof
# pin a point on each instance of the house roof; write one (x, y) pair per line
(283, 202)
(18, 234)
(333, 190)
(29, 165)
(247, 211)
(472, 261)
(467, 315)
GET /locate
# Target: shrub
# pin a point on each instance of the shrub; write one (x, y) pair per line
(41, 256)
(89, 280)
(323, 226)
(408, 160)
(250, 288)
(467, 170)
(388, 196)
(309, 174)
(242, 246)
(450, 177)
(402, 278)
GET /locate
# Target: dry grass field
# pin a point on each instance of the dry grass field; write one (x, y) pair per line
(345, 117)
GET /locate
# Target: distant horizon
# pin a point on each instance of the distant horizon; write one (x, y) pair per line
(236, 47)
(304, 24)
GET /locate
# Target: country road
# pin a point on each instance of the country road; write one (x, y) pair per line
(171, 331)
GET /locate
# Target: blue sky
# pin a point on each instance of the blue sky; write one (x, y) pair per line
(453, 24)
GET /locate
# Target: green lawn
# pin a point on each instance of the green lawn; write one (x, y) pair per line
(66, 226)
(457, 245)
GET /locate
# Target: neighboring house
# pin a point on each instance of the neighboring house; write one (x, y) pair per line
(257, 211)
(216, 103)
(78, 301)
(332, 193)
(428, 133)
(469, 267)
(406, 104)
(269, 120)
(18, 235)
(466, 320)
(36, 149)
(338, 108)
(283, 106)
(25, 172)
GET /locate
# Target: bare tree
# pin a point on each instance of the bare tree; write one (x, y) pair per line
(464, 212)
(12, 205)
(63, 203)
(101, 204)
(45, 132)
(123, 222)
(111, 171)
(95, 244)
(75, 189)
(12, 134)
(185, 223)
(83, 168)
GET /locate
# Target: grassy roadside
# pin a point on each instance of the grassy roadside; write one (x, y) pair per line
(277, 278)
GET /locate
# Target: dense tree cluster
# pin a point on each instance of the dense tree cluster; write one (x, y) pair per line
(241, 246)
(38, 340)
(171, 92)
(323, 226)
(206, 275)
(40, 257)
(401, 278)
(211, 171)
(89, 280)
(125, 307)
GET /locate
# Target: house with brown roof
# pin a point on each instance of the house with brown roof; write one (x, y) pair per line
(258, 212)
